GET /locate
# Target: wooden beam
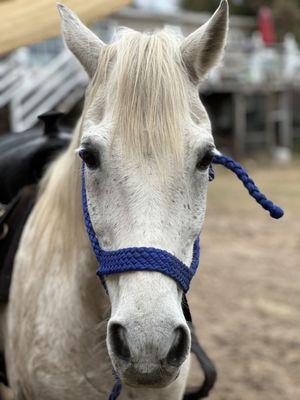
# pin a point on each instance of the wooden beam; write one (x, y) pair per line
(24, 22)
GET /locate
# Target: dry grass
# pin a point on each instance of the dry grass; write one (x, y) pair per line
(246, 297)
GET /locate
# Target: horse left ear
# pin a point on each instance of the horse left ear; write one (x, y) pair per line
(203, 48)
(82, 42)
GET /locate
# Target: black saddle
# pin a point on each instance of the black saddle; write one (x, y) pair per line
(23, 156)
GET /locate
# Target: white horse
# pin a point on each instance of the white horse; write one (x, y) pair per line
(146, 140)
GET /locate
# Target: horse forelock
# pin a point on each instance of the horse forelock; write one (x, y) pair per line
(141, 78)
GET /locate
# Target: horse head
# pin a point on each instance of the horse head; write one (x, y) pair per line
(146, 143)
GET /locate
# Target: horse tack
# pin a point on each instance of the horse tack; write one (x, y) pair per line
(24, 157)
(208, 367)
(138, 258)
(153, 259)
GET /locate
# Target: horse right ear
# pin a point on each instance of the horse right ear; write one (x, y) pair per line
(203, 48)
(82, 42)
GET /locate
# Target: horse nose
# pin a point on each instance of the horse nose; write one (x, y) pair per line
(118, 341)
(179, 347)
(173, 353)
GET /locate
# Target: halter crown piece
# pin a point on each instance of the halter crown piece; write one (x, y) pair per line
(152, 259)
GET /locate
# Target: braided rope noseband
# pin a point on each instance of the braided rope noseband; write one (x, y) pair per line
(152, 259)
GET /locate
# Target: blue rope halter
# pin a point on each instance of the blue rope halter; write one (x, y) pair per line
(152, 259)
(139, 258)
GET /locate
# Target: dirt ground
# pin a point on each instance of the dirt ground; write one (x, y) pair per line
(245, 299)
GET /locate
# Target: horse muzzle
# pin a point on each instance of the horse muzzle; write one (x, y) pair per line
(152, 358)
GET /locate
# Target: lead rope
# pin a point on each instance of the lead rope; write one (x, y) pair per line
(117, 388)
(274, 210)
(241, 173)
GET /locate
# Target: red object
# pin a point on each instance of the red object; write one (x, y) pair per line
(266, 25)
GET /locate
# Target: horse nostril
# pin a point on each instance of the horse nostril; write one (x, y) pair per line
(118, 341)
(179, 347)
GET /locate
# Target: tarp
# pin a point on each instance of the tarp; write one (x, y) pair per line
(24, 22)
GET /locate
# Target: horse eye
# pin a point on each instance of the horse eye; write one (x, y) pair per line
(90, 158)
(205, 161)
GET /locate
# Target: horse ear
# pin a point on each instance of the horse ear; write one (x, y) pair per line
(82, 42)
(203, 48)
